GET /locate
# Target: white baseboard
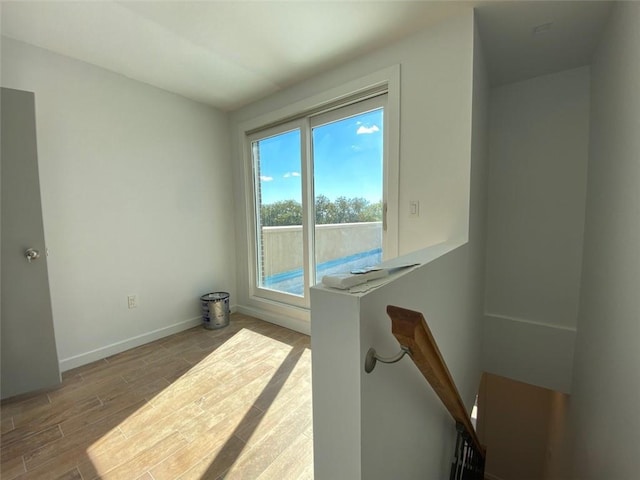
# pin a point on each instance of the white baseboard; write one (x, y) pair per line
(296, 324)
(108, 350)
(75, 361)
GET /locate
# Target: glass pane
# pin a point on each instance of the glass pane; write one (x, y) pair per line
(348, 166)
(277, 167)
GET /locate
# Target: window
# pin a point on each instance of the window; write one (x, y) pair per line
(280, 257)
(348, 162)
(320, 185)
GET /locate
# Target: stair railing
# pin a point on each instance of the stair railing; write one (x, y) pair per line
(412, 332)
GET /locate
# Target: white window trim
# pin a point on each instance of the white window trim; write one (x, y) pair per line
(256, 291)
(391, 78)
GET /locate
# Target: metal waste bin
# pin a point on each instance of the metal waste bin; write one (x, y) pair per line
(215, 310)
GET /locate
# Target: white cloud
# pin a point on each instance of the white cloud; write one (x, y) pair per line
(362, 130)
(264, 178)
(291, 174)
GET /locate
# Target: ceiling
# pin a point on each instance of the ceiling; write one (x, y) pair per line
(230, 53)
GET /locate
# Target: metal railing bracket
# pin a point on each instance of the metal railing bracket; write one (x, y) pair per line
(372, 358)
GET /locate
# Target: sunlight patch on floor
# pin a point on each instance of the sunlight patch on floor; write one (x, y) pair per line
(220, 402)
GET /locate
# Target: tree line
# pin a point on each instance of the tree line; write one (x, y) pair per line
(342, 210)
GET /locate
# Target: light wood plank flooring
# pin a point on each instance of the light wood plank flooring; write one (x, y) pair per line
(202, 404)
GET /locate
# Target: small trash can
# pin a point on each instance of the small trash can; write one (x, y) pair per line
(215, 310)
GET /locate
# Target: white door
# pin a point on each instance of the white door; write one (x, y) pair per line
(29, 356)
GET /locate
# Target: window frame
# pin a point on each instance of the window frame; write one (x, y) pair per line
(254, 289)
(339, 113)
(388, 79)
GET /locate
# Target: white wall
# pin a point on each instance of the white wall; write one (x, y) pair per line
(136, 196)
(537, 191)
(478, 188)
(606, 386)
(435, 123)
(538, 171)
(335, 363)
(390, 424)
(529, 352)
(406, 431)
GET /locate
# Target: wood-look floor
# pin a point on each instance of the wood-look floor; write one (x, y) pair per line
(230, 403)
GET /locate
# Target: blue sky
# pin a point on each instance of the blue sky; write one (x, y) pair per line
(347, 161)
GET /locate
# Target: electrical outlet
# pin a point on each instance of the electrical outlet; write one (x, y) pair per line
(414, 208)
(132, 301)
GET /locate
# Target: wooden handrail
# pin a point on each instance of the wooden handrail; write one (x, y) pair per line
(411, 330)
